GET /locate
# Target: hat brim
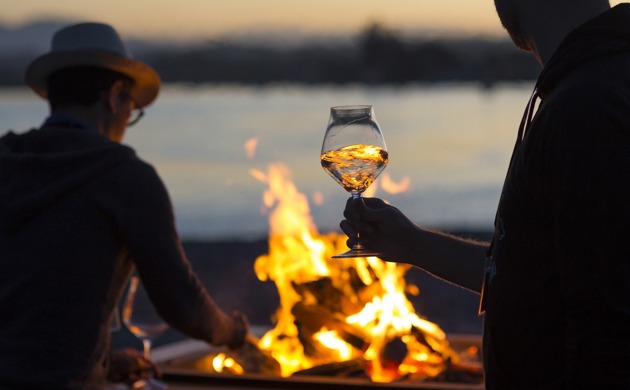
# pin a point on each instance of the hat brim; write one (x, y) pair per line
(147, 81)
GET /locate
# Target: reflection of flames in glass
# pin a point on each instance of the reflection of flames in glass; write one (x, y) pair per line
(337, 310)
(355, 167)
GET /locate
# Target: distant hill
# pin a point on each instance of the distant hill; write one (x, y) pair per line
(375, 55)
(19, 45)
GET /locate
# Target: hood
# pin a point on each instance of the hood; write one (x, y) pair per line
(605, 34)
(39, 167)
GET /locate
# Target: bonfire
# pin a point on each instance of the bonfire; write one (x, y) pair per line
(336, 316)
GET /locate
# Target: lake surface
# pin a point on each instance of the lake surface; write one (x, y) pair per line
(449, 143)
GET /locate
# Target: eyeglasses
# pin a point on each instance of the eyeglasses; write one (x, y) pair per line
(136, 113)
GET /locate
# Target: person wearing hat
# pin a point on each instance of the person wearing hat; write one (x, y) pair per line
(79, 212)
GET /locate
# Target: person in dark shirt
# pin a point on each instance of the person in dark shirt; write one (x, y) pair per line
(79, 212)
(555, 280)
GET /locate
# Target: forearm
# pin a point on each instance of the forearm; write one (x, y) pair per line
(456, 260)
(179, 295)
(387, 230)
(148, 226)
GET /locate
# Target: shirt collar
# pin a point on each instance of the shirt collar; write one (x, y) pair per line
(69, 121)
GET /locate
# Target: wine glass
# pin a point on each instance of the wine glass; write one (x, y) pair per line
(141, 318)
(354, 154)
(116, 323)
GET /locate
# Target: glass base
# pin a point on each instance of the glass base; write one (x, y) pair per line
(356, 253)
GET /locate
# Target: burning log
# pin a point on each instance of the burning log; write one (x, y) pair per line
(248, 358)
(349, 368)
(432, 344)
(327, 295)
(311, 319)
(256, 360)
(394, 352)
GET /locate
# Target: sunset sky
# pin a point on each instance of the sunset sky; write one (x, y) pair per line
(207, 18)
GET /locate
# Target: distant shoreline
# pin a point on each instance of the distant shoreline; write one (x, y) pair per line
(191, 241)
(377, 55)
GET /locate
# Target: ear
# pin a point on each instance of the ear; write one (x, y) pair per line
(113, 94)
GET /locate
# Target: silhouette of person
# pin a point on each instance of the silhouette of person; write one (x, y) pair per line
(79, 212)
(555, 291)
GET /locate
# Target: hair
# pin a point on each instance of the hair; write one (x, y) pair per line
(81, 85)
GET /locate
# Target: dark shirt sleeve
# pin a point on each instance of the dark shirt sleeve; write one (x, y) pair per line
(589, 174)
(147, 225)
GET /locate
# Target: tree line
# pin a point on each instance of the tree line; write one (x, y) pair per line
(377, 56)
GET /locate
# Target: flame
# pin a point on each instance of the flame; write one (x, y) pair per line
(331, 340)
(222, 363)
(336, 310)
(371, 190)
(318, 198)
(250, 147)
(392, 187)
(295, 256)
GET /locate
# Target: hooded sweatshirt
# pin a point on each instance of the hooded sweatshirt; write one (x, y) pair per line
(558, 292)
(77, 213)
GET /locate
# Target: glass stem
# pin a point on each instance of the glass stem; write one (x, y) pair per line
(357, 246)
(146, 344)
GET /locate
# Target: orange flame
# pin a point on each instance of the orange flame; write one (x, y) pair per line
(250, 147)
(392, 187)
(367, 312)
(318, 198)
(371, 190)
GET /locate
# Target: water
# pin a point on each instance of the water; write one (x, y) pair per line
(451, 143)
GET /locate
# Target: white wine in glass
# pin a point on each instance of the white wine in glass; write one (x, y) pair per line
(141, 318)
(354, 154)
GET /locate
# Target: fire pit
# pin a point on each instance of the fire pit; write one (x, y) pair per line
(191, 362)
(342, 323)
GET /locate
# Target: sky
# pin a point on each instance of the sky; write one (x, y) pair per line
(176, 19)
(208, 18)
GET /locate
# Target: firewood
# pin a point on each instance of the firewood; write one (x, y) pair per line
(316, 317)
(422, 337)
(354, 281)
(313, 349)
(253, 359)
(326, 294)
(394, 351)
(334, 369)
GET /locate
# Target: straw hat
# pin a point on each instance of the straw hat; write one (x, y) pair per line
(93, 44)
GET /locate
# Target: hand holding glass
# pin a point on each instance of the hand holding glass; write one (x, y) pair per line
(354, 154)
